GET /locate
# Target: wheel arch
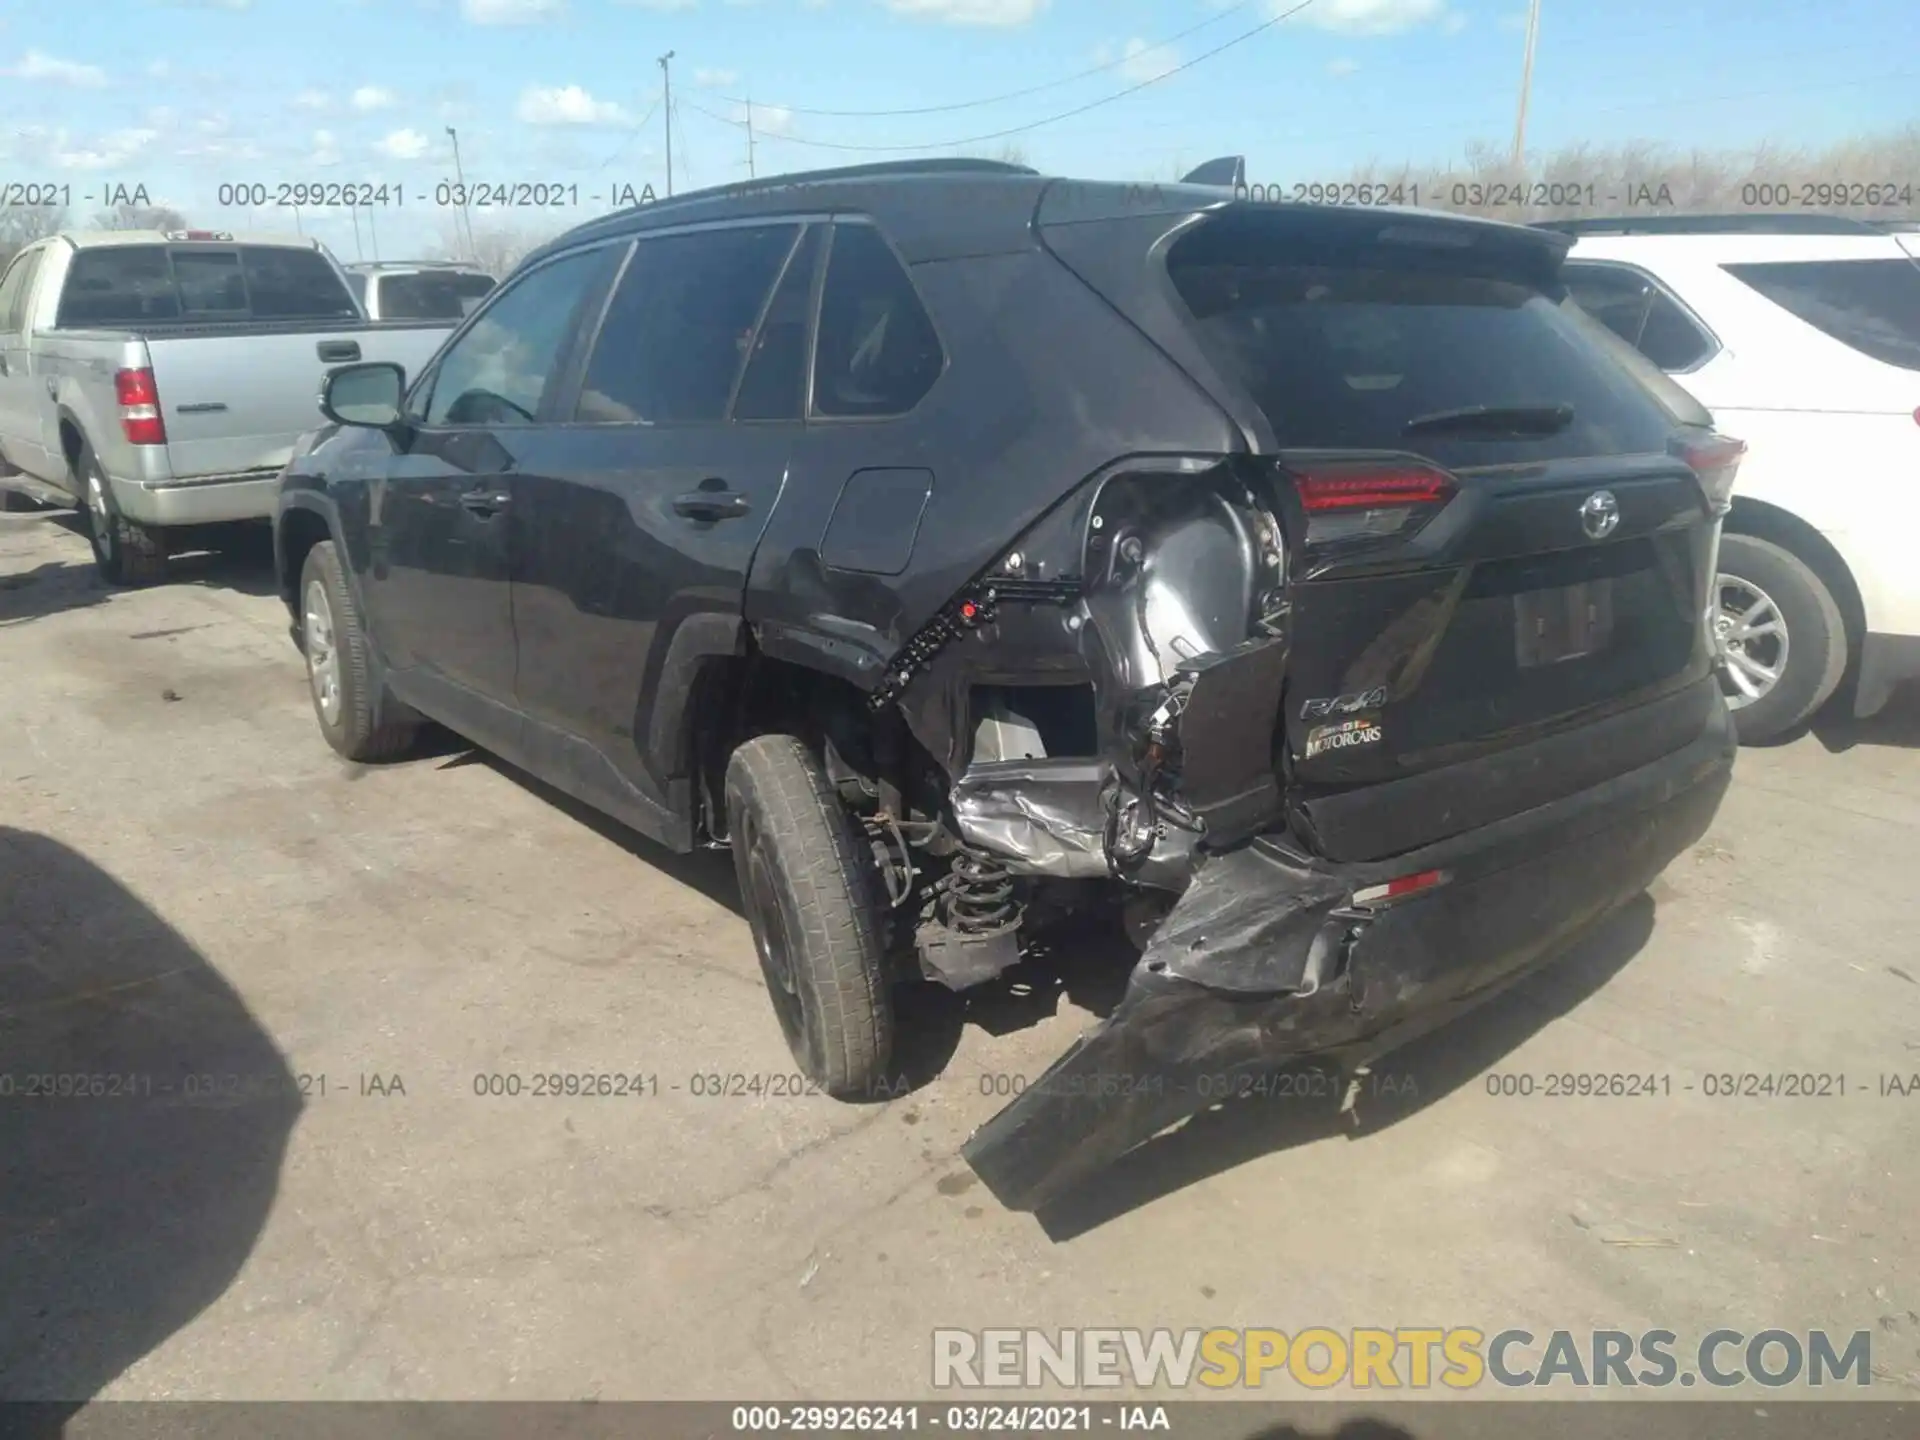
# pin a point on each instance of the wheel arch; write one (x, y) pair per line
(1764, 521)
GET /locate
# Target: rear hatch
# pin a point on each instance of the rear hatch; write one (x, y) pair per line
(1498, 537)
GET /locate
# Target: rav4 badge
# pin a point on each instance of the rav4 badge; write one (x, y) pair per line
(1345, 704)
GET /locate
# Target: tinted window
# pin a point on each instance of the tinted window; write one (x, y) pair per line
(357, 283)
(1873, 306)
(1641, 313)
(1344, 351)
(878, 353)
(677, 331)
(210, 283)
(119, 285)
(288, 284)
(497, 372)
(431, 295)
(775, 383)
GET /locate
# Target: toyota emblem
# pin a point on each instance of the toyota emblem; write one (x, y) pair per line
(1600, 514)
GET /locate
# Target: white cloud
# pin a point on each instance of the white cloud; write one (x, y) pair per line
(716, 79)
(1143, 62)
(38, 65)
(969, 12)
(1368, 17)
(1454, 24)
(108, 151)
(402, 145)
(313, 100)
(566, 105)
(510, 12)
(1339, 68)
(372, 97)
(326, 151)
(767, 119)
(158, 69)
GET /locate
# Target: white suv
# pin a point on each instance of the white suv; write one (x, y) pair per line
(1802, 336)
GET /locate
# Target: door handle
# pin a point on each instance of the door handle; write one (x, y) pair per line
(334, 351)
(484, 503)
(711, 505)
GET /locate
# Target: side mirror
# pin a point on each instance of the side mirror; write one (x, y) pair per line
(369, 395)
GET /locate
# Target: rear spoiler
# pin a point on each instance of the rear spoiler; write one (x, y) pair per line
(1229, 172)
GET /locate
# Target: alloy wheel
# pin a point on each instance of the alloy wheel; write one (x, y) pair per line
(1752, 637)
(323, 654)
(100, 518)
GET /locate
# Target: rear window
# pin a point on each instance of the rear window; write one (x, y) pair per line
(431, 295)
(149, 284)
(1872, 306)
(1341, 351)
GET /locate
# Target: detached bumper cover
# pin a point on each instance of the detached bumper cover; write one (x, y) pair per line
(1262, 962)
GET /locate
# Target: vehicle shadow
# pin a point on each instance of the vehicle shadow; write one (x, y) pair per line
(1305, 1104)
(241, 561)
(144, 1116)
(1898, 725)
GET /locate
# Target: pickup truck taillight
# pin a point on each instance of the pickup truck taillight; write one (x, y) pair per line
(139, 407)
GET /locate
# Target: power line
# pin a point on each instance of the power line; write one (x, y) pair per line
(633, 134)
(1100, 69)
(1036, 124)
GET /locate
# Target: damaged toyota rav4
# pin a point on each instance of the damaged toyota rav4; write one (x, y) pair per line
(1318, 587)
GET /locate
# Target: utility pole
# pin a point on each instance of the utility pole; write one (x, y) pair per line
(750, 137)
(354, 212)
(461, 180)
(1526, 85)
(666, 106)
(373, 234)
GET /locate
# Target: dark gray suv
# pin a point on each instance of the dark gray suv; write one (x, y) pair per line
(1315, 585)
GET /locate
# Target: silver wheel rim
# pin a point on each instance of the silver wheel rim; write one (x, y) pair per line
(101, 517)
(323, 658)
(1752, 637)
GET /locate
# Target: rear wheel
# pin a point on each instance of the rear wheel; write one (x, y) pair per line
(340, 667)
(1780, 634)
(811, 897)
(124, 552)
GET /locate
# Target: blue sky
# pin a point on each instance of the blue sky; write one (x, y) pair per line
(183, 95)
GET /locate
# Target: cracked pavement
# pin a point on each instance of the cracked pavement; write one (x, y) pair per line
(320, 960)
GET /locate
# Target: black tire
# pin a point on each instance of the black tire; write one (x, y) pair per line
(362, 724)
(812, 899)
(1814, 651)
(124, 553)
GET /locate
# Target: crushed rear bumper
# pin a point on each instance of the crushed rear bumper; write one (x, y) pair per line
(1265, 960)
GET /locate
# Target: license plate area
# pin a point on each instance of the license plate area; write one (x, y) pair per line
(1568, 622)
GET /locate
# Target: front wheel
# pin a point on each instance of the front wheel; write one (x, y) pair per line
(811, 897)
(359, 723)
(1780, 635)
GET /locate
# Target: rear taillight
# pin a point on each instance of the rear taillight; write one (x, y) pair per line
(1715, 459)
(1356, 499)
(139, 407)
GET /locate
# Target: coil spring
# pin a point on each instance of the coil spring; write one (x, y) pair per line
(979, 894)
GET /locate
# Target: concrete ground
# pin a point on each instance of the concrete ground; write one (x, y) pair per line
(192, 885)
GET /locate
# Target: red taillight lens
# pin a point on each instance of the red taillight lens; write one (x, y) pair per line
(1716, 460)
(1347, 500)
(139, 407)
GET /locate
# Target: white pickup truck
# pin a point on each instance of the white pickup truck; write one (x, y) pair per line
(162, 380)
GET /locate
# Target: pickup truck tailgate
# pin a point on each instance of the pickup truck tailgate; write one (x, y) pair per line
(236, 402)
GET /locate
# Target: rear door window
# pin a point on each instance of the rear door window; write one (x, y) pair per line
(1871, 306)
(676, 334)
(1342, 348)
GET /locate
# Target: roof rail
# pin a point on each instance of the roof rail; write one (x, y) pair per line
(1748, 223)
(878, 170)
